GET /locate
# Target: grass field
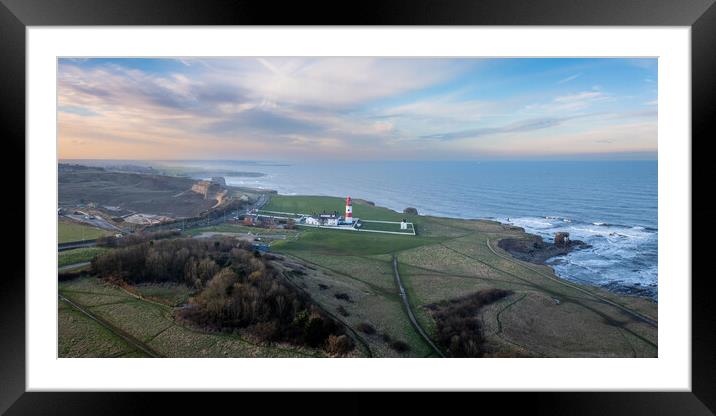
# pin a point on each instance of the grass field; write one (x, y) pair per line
(371, 298)
(78, 255)
(166, 293)
(69, 231)
(349, 274)
(451, 258)
(343, 243)
(149, 323)
(81, 337)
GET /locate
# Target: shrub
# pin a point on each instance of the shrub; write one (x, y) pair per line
(400, 346)
(69, 275)
(339, 346)
(366, 328)
(265, 331)
(410, 210)
(317, 331)
(458, 328)
(343, 296)
(342, 310)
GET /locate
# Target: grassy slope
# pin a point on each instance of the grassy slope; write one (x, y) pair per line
(67, 232)
(451, 258)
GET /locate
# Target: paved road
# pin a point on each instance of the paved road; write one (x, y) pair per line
(97, 221)
(72, 266)
(76, 244)
(411, 316)
(263, 200)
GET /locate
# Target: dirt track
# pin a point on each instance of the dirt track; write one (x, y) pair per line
(411, 316)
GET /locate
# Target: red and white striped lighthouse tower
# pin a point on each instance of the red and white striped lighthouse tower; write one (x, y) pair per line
(349, 211)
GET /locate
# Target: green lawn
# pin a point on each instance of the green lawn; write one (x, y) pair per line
(341, 242)
(381, 226)
(78, 255)
(338, 242)
(311, 204)
(68, 232)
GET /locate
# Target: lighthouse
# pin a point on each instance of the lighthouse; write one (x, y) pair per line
(349, 211)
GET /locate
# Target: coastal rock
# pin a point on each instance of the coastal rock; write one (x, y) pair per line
(535, 250)
(561, 239)
(219, 180)
(410, 210)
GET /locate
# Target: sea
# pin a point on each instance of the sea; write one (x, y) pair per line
(611, 205)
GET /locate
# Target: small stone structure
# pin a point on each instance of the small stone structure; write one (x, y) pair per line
(561, 239)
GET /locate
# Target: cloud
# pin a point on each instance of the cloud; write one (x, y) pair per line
(572, 102)
(383, 127)
(258, 119)
(580, 97)
(250, 96)
(569, 78)
(520, 126)
(633, 138)
(304, 107)
(336, 82)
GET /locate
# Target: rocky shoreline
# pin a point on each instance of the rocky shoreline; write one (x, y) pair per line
(534, 249)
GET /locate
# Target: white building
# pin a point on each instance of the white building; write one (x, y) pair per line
(312, 221)
(330, 220)
(325, 219)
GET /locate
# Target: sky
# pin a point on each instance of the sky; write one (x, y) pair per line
(256, 108)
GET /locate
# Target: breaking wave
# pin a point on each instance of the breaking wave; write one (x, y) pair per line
(622, 258)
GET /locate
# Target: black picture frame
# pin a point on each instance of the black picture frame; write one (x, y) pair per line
(16, 15)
